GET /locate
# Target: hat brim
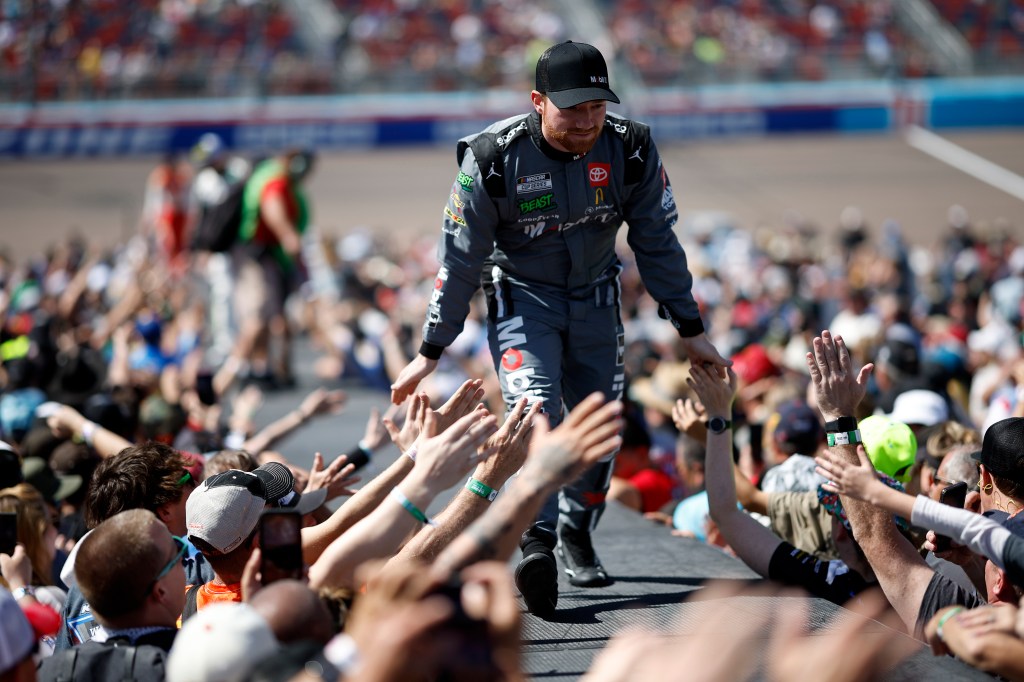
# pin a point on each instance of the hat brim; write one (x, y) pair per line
(311, 501)
(68, 485)
(643, 392)
(564, 99)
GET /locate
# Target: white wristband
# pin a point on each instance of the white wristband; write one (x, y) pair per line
(411, 452)
(343, 653)
(234, 440)
(88, 432)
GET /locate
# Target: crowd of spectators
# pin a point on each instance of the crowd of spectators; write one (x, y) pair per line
(112, 422)
(995, 31)
(103, 49)
(100, 49)
(752, 40)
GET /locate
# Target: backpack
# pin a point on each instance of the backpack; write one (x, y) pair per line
(115, 661)
(218, 228)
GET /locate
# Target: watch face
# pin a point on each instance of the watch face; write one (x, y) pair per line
(717, 424)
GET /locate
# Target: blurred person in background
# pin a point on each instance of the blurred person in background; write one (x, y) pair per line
(268, 269)
(165, 210)
(218, 175)
(38, 535)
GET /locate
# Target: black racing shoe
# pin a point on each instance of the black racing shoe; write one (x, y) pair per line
(537, 579)
(581, 563)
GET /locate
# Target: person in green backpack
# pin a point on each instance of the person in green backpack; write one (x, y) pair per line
(268, 267)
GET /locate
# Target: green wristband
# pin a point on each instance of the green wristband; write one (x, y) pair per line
(946, 616)
(844, 438)
(411, 508)
(482, 489)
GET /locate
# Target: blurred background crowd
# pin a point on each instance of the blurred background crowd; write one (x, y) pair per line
(100, 49)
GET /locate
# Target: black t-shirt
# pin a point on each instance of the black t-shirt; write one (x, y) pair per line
(831, 580)
(940, 593)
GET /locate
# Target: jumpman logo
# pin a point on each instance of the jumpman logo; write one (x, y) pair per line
(636, 155)
(492, 173)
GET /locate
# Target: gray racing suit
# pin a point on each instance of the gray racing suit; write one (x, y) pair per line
(536, 227)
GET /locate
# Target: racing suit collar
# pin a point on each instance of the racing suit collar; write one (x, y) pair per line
(533, 125)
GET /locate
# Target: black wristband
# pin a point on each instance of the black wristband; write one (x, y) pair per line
(841, 424)
(431, 350)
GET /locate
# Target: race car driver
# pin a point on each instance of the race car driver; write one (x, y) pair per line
(532, 216)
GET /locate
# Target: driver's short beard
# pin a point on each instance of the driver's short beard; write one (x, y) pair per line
(571, 144)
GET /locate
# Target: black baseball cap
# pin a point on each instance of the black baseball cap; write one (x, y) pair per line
(798, 429)
(1002, 450)
(572, 73)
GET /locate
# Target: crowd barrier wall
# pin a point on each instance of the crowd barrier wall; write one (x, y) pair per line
(133, 128)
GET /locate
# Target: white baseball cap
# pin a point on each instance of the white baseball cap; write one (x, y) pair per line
(221, 642)
(225, 509)
(919, 406)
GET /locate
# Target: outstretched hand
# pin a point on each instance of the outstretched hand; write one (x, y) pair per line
(512, 441)
(853, 649)
(846, 478)
(322, 401)
(443, 458)
(700, 351)
(462, 402)
(838, 387)
(688, 415)
(409, 378)
(375, 434)
(405, 437)
(336, 477)
(589, 433)
(715, 393)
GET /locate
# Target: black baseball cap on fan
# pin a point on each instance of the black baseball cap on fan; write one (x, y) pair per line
(572, 73)
(1002, 450)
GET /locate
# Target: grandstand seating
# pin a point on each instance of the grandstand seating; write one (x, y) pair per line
(102, 49)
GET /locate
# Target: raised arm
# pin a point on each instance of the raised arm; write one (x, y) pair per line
(902, 574)
(441, 460)
(860, 481)
(369, 497)
(66, 422)
(511, 441)
(589, 433)
(320, 401)
(752, 542)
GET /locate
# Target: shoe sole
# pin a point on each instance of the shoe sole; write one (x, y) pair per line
(534, 574)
